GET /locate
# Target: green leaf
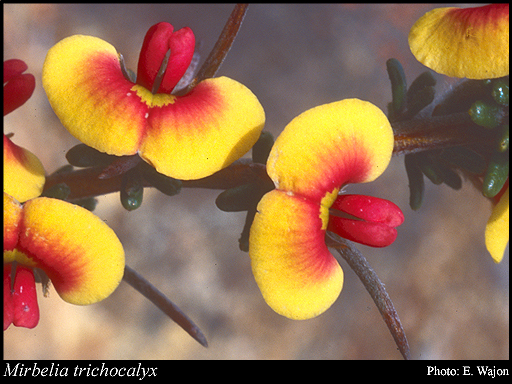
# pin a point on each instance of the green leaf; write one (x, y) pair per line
(398, 85)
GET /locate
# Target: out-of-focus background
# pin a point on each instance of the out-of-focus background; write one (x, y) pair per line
(452, 299)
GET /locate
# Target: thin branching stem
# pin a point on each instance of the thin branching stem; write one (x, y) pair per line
(164, 304)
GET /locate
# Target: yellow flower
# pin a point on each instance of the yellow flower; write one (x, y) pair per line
(320, 151)
(80, 254)
(187, 136)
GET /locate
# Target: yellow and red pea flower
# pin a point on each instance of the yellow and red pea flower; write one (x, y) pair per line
(80, 254)
(317, 154)
(464, 42)
(189, 136)
(77, 251)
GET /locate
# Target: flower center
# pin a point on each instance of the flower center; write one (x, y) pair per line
(153, 100)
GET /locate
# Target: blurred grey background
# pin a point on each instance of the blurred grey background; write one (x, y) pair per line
(452, 299)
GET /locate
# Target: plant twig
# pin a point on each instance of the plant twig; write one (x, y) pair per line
(223, 45)
(86, 182)
(436, 132)
(378, 293)
(164, 304)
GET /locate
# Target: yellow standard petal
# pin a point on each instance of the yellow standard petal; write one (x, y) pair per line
(80, 254)
(24, 174)
(297, 275)
(497, 229)
(470, 42)
(84, 83)
(204, 131)
(326, 147)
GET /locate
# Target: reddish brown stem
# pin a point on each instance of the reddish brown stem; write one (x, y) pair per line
(435, 133)
(87, 182)
(223, 45)
(378, 293)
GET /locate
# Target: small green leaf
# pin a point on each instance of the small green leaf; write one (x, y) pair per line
(398, 85)
(426, 79)
(497, 174)
(241, 198)
(429, 167)
(165, 184)
(418, 101)
(416, 182)
(82, 155)
(88, 203)
(464, 158)
(58, 191)
(261, 149)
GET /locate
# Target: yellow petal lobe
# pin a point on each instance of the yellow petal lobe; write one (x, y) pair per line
(297, 275)
(326, 147)
(497, 229)
(80, 254)
(24, 174)
(470, 42)
(84, 83)
(204, 131)
(12, 217)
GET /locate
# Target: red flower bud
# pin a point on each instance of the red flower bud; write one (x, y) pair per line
(153, 72)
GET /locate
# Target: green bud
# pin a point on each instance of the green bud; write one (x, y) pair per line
(58, 191)
(485, 114)
(261, 149)
(500, 91)
(398, 85)
(503, 143)
(497, 174)
(82, 155)
(416, 182)
(132, 190)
